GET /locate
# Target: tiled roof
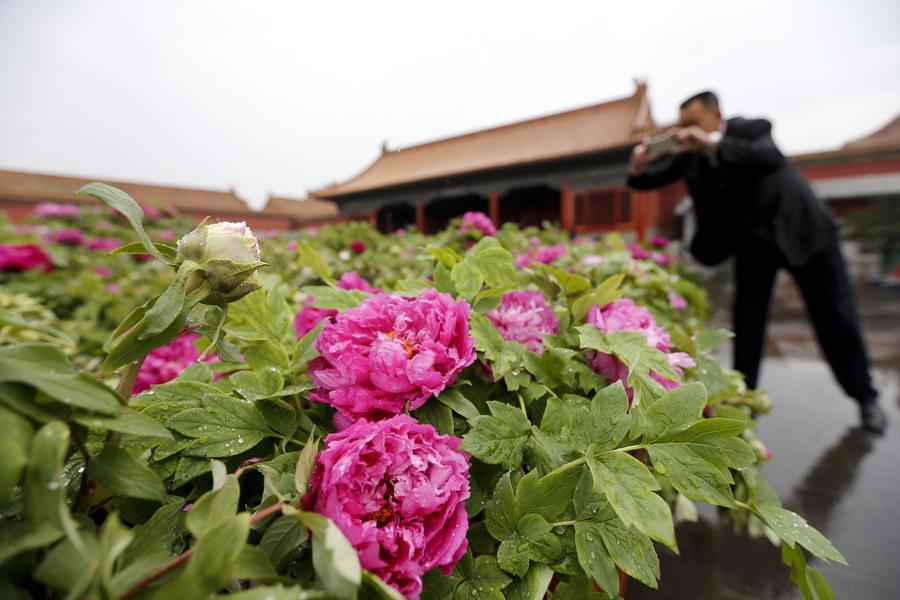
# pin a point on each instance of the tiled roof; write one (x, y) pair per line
(860, 186)
(572, 133)
(39, 187)
(889, 133)
(300, 210)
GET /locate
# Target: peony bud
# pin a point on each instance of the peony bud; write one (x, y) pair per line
(228, 257)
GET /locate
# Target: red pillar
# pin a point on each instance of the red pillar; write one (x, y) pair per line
(567, 206)
(420, 215)
(494, 207)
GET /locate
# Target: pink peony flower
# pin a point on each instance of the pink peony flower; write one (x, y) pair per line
(23, 258)
(677, 301)
(591, 260)
(151, 211)
(523, 316)
(638, 252)
(104, 244)
(358, 246)
(103, 271)
(168, 235)
(54, 209)
(477, 221)
(663, 260)
(540, 254)
(167, 362)
(292, 245)
(351, 280)
(625, 315)
(69, 237)
(309, 316)
(397, 490)
(391, 352)
(659, 241)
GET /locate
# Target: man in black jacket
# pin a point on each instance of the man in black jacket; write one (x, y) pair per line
(754, 204)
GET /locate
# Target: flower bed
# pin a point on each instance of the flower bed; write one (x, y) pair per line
(341, 414)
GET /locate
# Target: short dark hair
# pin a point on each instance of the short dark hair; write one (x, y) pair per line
(707, 98)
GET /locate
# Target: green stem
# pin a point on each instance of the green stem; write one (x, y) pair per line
(562, 523)
(522, 406)
(126, 384)
(631, 448)
(568, 465)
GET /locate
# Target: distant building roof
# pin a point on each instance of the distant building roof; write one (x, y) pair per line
(888, 134)
(859, 186)
(572, 133)
(301, 210)
(39, 187)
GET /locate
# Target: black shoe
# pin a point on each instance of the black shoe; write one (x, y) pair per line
(872, 417)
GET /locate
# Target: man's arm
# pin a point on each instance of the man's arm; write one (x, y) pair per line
(644, 175)
(758, 153)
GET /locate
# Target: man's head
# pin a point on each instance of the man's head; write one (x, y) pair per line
(701, 110)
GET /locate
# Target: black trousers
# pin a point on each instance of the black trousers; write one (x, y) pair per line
(826, 290)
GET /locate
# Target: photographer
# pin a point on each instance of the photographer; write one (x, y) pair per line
(754, 204)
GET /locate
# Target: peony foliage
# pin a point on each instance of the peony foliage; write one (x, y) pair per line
(476, 414)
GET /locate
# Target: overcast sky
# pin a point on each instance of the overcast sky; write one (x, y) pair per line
(285, 96)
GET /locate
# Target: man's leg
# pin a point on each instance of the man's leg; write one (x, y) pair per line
(829, 300)
(754, 276)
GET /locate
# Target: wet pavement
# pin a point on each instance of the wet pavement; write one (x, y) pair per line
(844, 481)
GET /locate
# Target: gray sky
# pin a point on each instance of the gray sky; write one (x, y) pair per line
(285, 96)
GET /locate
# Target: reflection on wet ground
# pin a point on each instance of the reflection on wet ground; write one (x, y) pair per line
(845, 481)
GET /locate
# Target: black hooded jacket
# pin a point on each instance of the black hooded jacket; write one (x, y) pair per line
(749, 193)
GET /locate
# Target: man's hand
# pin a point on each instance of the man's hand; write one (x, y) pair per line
(692, 139)
(640, 156)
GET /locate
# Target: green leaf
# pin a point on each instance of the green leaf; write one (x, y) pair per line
(533, 586)
(629, 549)
(809, 581)
(14, 446)
(485, 582)
(608, 291)
(47, 369)
(334, 559)
(71, 566)
(336, 298)
(281, 537)
(307, 256)
(169, 252)
(156, 535)
(502, 510)
(793, 529)
(124, 204)
(280, 476)
(121, 474)
(127, 420)
(437, 415)
(372, 582)
(500, 438)
(214, 507)
(630, 488)
(675, 411)
(569, 283)
(225, 426)
(252, 564)
(44, 488)
(487, 338)
(170, 303)
(693, 475)
(114, 538)
(487, 261)
(305, 463)
(458, 403)
(710, 339)
(210, 566)
(610, 420)
(546, 496)
(18, 536)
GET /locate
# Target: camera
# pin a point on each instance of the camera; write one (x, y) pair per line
(662, 143)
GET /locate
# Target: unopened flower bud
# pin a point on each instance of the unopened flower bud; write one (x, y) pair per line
(228, 257)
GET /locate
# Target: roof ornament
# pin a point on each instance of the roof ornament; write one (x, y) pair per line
(384, 147)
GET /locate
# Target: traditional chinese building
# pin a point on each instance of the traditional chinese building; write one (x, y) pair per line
(567, 167)
(20, 191)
